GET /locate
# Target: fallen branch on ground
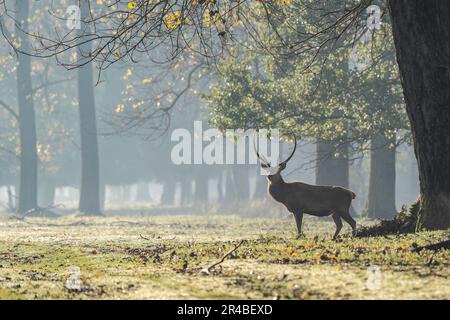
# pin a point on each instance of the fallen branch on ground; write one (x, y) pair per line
(434, 246)
(142, 237)
(158, 237)
(39, 212)
(207, 270)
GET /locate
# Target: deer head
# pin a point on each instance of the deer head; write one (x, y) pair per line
(274, 172)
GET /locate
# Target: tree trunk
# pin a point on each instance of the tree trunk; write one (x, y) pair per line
(142, 192)
(331, 169)
(421, 32)
(47, 194)
(241, 182)
(27, 122)
(381, 198)
(201, 190)
(125, 194)
(102, 196)
(11, 199)
(186, 192)
(116, 194)
(220, 187)
(90, 182)
(260, 185)
(230, 191)
(168, 195)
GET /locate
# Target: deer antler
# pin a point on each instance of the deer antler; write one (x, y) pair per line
(260, 157)
(293, 151)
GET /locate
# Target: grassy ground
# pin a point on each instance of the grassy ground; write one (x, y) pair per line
(163, 257)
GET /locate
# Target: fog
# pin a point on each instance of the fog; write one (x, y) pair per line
(77, 135)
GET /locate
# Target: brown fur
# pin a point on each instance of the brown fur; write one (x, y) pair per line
(299, 198)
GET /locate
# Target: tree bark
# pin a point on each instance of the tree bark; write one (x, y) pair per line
(90, 182)
(27, 121)
(381, 198)
(421, 31)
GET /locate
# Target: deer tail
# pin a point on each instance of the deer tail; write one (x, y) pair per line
(352, 194)
(348, 191)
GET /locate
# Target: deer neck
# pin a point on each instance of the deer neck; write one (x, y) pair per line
(276, 179)
(276, 187)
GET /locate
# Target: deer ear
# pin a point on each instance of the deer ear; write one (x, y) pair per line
(263, 165)
(282, 166)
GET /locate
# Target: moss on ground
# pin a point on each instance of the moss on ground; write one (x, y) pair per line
(163, 257)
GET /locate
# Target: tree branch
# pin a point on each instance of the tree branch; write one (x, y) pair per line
(10, 110)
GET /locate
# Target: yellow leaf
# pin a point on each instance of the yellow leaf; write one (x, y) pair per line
(120, 108)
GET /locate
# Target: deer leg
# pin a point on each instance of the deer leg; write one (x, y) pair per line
(299, 220)
(338, 222)
(347, 218)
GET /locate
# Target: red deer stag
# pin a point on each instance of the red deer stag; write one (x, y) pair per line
(299, 197)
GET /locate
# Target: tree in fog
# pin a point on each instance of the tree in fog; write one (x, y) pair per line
(50, 99)
(421, 31)
(9, 133)
(157, 99)
(208, 27)
(330, 106)
(58, 144)
(17, 33)
(90, 173)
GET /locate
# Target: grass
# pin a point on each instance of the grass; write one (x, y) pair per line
(162, 257)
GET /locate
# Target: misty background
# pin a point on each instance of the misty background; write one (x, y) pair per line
(127, 151)
(136, 171)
